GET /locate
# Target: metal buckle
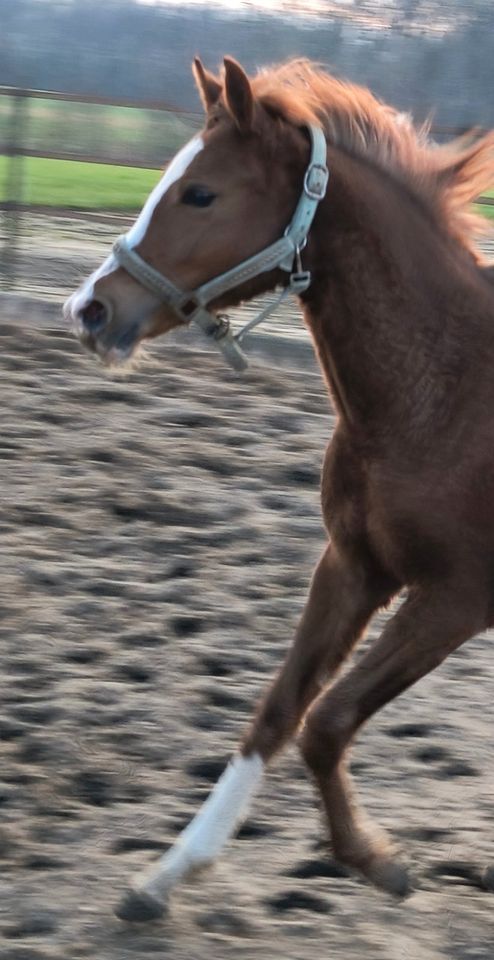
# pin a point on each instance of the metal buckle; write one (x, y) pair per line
(300, 281)
(222, 328)
(316, 181)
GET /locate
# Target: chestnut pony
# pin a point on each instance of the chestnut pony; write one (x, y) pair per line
(402, 318)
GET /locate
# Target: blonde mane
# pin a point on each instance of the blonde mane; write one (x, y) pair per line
(448, 178)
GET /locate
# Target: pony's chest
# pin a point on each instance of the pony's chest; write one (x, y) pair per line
(344, 492)
(372, 508)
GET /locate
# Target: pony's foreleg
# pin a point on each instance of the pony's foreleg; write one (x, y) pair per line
(340, 602)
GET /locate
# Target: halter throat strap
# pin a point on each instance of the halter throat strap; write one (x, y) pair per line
(283, 254)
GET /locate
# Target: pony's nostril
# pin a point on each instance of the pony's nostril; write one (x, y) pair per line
(94, 316)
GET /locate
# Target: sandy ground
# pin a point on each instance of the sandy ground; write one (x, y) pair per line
(157, 536)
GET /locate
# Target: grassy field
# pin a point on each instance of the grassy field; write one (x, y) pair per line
(486, 211)
(81, 129)
(91, 186)
(147, 137)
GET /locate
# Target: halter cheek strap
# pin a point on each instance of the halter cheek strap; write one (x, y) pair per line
(283, 254)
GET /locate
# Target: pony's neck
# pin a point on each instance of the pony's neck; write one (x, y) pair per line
(384, 275)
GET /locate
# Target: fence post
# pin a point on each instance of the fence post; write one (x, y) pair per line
(14, 184)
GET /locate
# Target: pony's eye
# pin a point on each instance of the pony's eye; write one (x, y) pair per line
(198, 197)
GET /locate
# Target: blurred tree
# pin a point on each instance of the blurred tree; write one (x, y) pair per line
(416, 53)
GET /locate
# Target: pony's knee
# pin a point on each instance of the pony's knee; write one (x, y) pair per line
(325, 736)
(269, 731)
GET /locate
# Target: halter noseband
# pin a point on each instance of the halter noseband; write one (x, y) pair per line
(283, 254)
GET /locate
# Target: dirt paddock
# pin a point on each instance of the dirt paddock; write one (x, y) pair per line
(157, 536)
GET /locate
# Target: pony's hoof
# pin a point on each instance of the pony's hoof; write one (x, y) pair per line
(390, 876)
(137, 906)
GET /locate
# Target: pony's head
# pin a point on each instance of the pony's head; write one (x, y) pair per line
(229, 193)
(233, 192)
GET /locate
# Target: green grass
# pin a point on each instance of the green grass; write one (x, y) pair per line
(92, 186)
(146, 136)
(484, 209)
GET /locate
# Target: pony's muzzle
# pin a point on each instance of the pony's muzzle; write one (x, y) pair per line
(95, 316)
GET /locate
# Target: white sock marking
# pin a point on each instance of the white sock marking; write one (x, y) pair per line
(208, 832)
(173, 172)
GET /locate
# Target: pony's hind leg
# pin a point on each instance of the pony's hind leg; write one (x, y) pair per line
(356, 841)
(421, 635)
(341, 600)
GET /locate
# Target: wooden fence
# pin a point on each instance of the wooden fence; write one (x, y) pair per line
(13, 146)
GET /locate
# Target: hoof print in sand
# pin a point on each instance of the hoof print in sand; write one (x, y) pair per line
(298, 900)
(134, 673)
(35, 924)
(44, 861)
(225, 923)
(318, 868)
(487, 879)
(426, 834)
(215, 667)
(458, 872)
(403, 730)
(458, 768)
(129, 844)
(186, 626)
(251, 830)
(432, 753)
(93, 787)
(208, 768)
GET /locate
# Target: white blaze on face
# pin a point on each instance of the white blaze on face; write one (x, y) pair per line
(176, 169)
(173, 172)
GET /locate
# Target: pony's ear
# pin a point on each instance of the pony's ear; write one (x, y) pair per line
(238, 95)
(209, 87)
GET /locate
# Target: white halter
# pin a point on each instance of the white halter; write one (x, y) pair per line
(284, 254)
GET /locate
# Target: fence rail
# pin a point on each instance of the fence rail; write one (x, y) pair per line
(163, 105)
(13, 146)
(115, 161)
